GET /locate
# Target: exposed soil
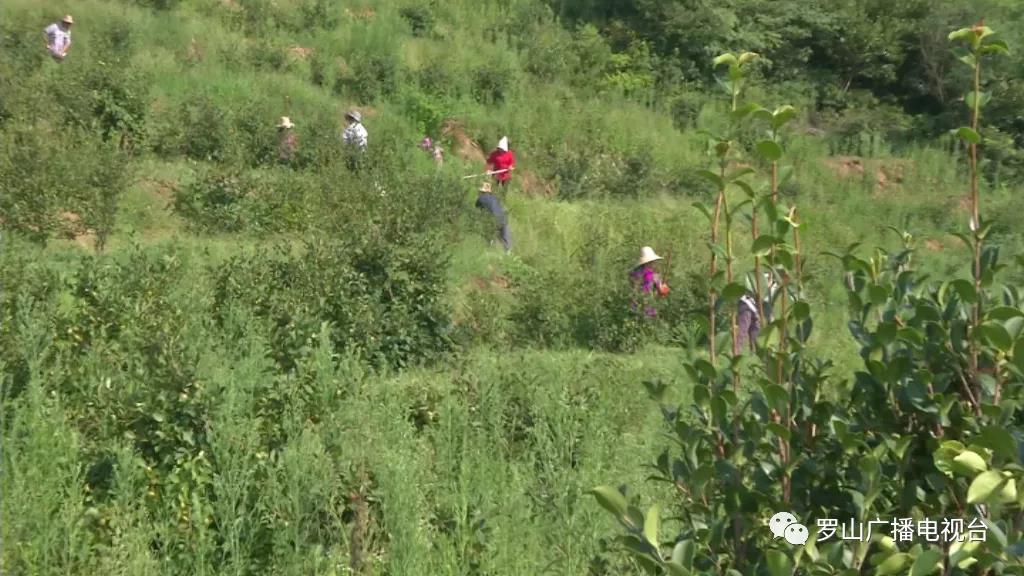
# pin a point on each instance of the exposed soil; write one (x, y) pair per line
(300, 52)
(533, 185)
(886, 172)
(933, 245)
(72, 228)
(363, 13)
(462, 145)
(494, 282)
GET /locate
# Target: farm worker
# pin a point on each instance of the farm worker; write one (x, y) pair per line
(287, 141)
(485, 200)
(427, 145)
(355, 134)
(502, 159)
(58, 37)
(748, 320)
(647, 280)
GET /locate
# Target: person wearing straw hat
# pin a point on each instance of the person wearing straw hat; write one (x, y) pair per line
(58, 37)
(502, 159)
(355, 133)
(486, 200)
(435, 151)
(647, 280)
(287, 141)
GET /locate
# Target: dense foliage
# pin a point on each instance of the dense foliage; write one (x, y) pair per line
(218, 360)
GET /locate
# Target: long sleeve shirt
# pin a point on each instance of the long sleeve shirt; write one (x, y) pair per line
(355, 135)
(58, 40)
(501, 160)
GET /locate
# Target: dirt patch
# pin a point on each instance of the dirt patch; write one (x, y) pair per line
(364, 14)
(533, 185)
(300, 52)
(164, 189)
(231, 5)
(462, 145)
(195, 52)
(494, 282)
(933, 245)
(845, 166)
(886, 173)
(72, 228)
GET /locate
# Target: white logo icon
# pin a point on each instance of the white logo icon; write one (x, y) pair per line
(784, 525)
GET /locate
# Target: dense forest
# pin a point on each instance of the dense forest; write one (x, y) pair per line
(220, 358)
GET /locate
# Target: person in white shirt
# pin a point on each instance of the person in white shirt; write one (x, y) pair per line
(355, 134)
(58, 37)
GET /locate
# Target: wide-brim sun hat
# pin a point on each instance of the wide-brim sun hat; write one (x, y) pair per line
(67, 19)
(647, 255)
(285, 122)
(355, 115)
(485, 188)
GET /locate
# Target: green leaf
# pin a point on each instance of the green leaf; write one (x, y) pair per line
(966, 56)
(966, 290)
(733, 292)
(996, 335)
(729, 59)
(763, 245)
(710, 176)
(674, 569)
(893, 564)
(683, 553)
(961, 34)
(928, 563)
(969, 464)
(984, 99)
(771, 151)
(652, 525)
(746, 110)
(747, 57)
(782, 116)
(985, 487)
(996, 47)
(968, 135)
(704, 210)
(999, 440)
(612, 500)
(779, 563)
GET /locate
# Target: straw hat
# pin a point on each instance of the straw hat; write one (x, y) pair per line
(647, 255)
(285, 122)
(67, 19)
(503, 143)
(485, 188)
(355, 115)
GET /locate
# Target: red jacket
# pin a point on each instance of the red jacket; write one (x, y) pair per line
(500, 160)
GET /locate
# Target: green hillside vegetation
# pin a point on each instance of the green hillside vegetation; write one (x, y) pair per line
(213, 363)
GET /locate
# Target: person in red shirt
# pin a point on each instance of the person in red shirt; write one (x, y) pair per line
(502, 159)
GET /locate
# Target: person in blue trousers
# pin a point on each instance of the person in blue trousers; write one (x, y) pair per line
(485, 200)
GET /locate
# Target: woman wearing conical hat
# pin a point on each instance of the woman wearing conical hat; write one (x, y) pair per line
(647, 279)
(502, 159)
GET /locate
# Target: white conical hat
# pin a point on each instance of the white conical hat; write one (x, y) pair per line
(285, 122)
(647, 255)
(503, 143)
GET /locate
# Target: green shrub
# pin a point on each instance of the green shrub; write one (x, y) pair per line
(493, 83)
(215, 200)
(382, 302)
(372, 76)
(419, 17)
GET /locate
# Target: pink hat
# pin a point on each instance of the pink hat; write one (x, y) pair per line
(426, 143)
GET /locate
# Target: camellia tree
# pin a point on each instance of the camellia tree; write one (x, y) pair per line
(912, 467)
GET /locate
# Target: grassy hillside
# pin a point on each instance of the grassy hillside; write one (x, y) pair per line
(214, 364)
